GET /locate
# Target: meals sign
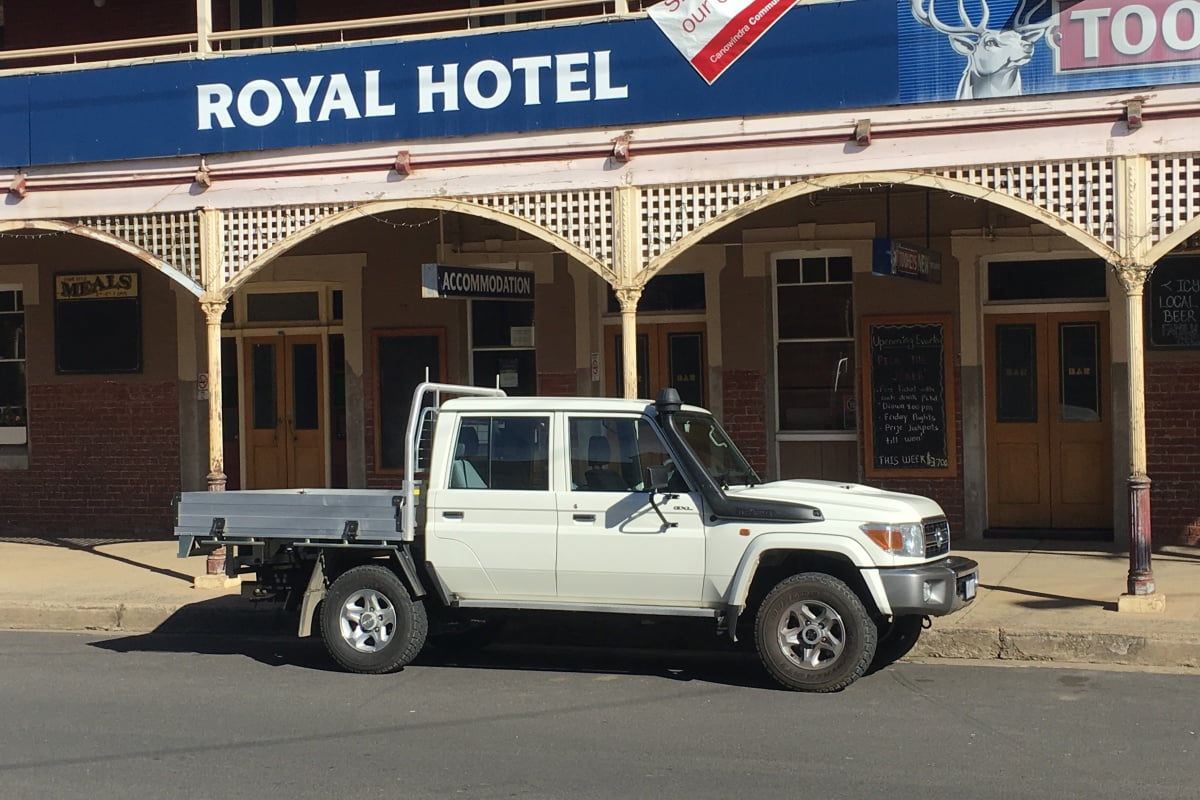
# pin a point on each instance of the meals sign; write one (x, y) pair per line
(96, 286)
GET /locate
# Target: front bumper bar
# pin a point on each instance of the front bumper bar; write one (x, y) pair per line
(935, 590)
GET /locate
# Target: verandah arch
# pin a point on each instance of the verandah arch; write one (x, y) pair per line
(1177, 237)
(813, 185)
(103, 237)
(277, 249)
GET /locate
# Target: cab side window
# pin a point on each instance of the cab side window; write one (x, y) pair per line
(501, 453)
(611, 454)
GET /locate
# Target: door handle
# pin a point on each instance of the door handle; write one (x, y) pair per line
(452, 514)
(584, 517)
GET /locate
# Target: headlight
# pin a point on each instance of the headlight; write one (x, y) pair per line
(903, 539)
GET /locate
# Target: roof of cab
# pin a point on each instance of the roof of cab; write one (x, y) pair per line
(494, 405)
(600, 405)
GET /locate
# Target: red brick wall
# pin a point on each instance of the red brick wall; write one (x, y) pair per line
(1173, 450)
(744, 395)
(103, 458)
(557, 384)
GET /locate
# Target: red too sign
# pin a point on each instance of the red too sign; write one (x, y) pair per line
(1095, 34)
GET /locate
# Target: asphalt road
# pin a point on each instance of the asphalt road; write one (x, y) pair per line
(162, 716)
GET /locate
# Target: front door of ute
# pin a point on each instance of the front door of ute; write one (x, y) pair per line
(612, 545)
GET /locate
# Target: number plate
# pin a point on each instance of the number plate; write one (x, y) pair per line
(969, 585)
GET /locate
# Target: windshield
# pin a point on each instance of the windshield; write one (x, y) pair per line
(714, 450)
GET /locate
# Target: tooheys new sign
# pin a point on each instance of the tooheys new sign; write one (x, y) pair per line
(712, 34)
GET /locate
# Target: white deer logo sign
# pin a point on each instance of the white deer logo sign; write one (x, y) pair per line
(994, 56)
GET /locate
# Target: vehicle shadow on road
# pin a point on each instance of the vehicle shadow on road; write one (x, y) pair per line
(232, 627)
(704, 666)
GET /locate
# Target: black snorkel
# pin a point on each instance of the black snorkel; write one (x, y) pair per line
(666, 406)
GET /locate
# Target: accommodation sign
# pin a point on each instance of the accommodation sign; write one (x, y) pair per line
(96, 286)
(440, 280)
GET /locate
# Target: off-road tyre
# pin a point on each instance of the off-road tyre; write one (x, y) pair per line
(370, 622)
(813, 634)
(897, 636)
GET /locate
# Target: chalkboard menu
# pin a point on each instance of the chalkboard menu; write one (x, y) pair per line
(908, 383)
(1174, 301)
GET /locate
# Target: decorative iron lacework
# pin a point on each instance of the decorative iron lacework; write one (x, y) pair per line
(174, 238)
(249, 232)
(671, 212)
(1174, 193)
(1080, 192)
(584, 217)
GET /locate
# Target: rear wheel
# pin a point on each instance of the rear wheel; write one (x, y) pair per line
(813, 633)
(369, 621)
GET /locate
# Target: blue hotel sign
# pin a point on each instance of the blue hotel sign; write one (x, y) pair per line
(854, 54)
(889, 257)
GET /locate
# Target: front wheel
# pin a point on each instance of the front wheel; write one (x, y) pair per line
(369, 621)
(813, 633)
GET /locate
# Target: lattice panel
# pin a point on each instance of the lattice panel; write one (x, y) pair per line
(671, 212)
(583, 217)
(175, 238)
(1174, 193)
(1081, 192)
(251, 231)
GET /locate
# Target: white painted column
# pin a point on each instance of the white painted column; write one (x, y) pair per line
(214, 309)
(1133, 243)
(628, 298)
(213, 303)
(1140, 589)
(627, 252)
(204, 27)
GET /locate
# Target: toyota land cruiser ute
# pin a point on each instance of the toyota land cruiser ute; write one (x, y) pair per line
(605, 505)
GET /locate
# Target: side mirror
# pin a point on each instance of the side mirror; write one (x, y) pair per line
(656, 478)
(656, 481)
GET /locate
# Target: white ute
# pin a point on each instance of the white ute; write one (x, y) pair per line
(591, 505)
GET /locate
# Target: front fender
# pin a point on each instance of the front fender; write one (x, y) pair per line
(815, 543)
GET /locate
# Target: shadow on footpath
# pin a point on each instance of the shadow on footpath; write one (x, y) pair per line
(90, 546)
(1048, 601)
(677, 650)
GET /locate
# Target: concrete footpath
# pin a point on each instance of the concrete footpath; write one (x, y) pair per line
(1037, 601)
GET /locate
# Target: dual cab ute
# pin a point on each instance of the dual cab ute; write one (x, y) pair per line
(591, 505)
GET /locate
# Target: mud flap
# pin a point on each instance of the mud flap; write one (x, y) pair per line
(314, 593)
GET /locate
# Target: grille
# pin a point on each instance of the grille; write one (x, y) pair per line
(937, 537)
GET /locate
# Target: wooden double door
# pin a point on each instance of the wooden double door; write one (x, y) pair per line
(668, 354)
(284, 412)
(1049, 425)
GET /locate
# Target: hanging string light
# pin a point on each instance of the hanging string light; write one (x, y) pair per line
(396, 224)
(31, 235)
